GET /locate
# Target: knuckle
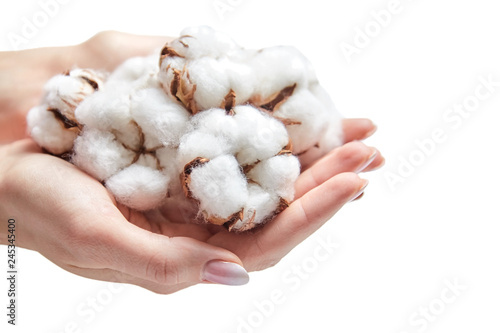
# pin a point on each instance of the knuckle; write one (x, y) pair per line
(161, 271)
(264, 263)
(102, 37)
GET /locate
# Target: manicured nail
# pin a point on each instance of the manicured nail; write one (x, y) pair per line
(223, 272)
(361, 190)
(369, 161)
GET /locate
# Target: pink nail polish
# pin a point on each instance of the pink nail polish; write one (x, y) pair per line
(223, 272)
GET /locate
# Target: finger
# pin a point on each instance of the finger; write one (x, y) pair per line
(309, 213)
(110, 275)
(357, 129)
(266, 246)
(112, 242)
(167, 261)
(351, 157)
(376, 164)
(156, 222)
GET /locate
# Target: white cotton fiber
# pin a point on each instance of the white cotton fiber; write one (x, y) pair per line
(205, 41)
(305, 108)
(100, 154)
(279, 67)
(218, 123)
(203, 129)
(277, 175)
(259, 206)
(212, 83)
(200, 144)
(158, 116)
(134, 69)
(219, 186)
(65, 91)
(106, 109)
(50, 133)
(261, 136)
(139, 187)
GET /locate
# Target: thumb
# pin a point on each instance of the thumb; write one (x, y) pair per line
(170, 261)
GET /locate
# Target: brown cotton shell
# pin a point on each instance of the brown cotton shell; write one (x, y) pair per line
(229, 102)
(283, 204)
(140, 148)
(227, 222)
(273, 102)
(65, 122)
(185, 176)
(183, 89)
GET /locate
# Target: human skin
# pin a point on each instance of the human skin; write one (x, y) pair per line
(70, 218)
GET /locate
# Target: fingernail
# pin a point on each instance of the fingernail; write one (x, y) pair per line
(361, 191)
(368, 162)
(223, 272)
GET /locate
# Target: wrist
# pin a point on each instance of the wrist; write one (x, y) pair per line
(11, 190)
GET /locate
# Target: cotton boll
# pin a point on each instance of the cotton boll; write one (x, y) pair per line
(200, 144)
(109, 110)
(166, 73)
(133, 69)
(305, 108)
(242, 79)
(205, 41)
(332, 138)
(205, 133)
(211, 80)
(139, 187)
(106, 109)
(49, 132)
(219, 186)
(158, 115)
(100, 154)
(277, 175)
(261, 136)
(218, 123)
(258, 208)
(65, 91)
(277, 68)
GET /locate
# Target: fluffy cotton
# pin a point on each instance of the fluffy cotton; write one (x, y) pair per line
(65, 92)
(277, 175)
(261, 136)
(139, 187)
(49, 132)
(220, 187)
(210, 131)
(162, 121)
(100, 154)
(53, 124)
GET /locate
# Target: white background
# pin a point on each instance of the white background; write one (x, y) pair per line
(397, 246)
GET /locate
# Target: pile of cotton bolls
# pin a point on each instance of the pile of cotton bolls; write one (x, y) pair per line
(211, 126)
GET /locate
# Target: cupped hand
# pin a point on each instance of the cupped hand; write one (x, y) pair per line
(71, 219)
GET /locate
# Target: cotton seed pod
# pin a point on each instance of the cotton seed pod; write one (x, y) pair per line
(210, 132)
(46, 129)
(218, 185)
(66, 91)
(56, 115)
(139, 187)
